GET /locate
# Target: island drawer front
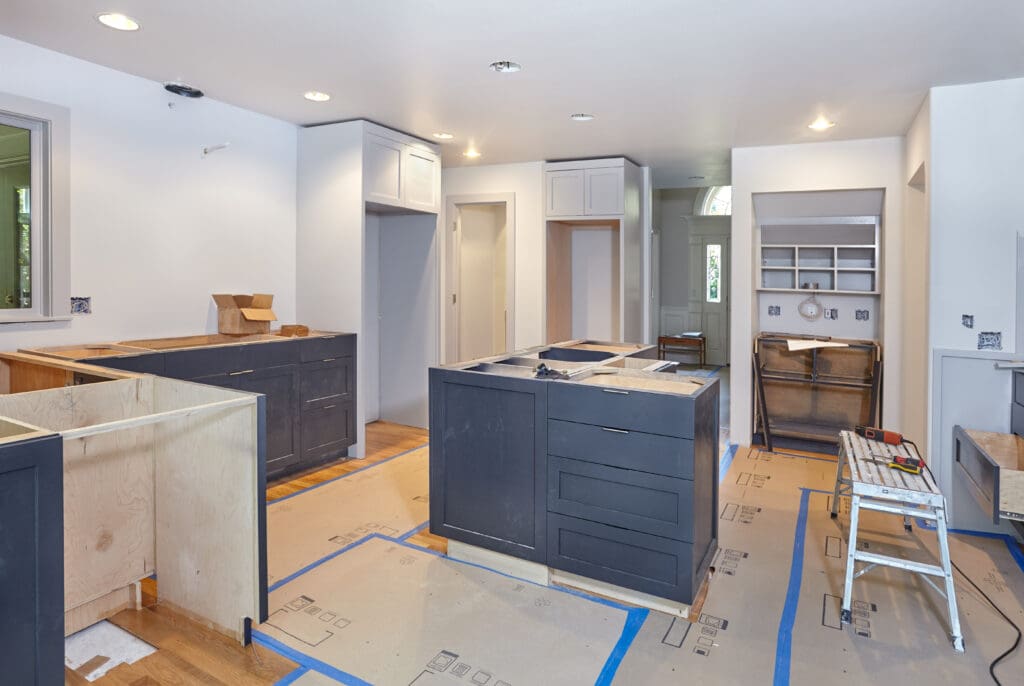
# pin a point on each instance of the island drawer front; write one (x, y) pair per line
(652, 453)
(650, 564)
(1017, 419)
(323, 383)
(316, 348)
(620, 497)
(656, 413)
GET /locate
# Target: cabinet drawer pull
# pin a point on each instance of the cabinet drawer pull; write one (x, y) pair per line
(244, 371)
(329, 359)
(615, 391)
(330, 407)
(614, 431)
(325, 397)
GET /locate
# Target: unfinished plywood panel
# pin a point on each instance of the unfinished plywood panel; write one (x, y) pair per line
(23, 373)
(107, 605)
(207, 479)
(641, 383)
(559, 282)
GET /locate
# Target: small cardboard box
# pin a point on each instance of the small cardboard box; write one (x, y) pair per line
(244, 314)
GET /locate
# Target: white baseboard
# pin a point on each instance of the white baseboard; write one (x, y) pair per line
(624, 595)
(499, 562)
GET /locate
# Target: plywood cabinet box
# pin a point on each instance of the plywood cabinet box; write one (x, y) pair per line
(611, 474)
(109, 476)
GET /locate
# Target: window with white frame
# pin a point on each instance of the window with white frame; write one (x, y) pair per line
(714, 200)
(25, 232)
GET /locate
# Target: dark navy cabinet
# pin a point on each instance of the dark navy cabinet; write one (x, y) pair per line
(617, 483)
(32, 561)
(487, 461)
(309, 383)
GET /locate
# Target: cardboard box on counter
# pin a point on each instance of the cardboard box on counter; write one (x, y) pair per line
(244, 314)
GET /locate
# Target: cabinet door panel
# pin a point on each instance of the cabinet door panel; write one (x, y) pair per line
(565, 193)
(327, 431)
(382, 170)
(487, 475)
(281, 387)
(604, 189)
(422, 179)
(32, 551)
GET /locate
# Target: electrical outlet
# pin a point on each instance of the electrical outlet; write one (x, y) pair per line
(990, 340)
(774, 310)
(967, 320)
(81, 305)
(862, 315)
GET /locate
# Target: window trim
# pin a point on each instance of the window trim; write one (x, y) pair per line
(50, 155)
(704, 200)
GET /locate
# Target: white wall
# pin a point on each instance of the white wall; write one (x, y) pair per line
(977, 154)
(155, 228)
(525, 180)
(595, 283)
(873, 163)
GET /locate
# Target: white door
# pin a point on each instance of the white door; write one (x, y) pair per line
(715, 298)
(482, 294)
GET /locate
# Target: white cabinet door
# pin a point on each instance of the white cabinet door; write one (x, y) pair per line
(382, 170)
(422, 179)
(604, 191)
(565, 193)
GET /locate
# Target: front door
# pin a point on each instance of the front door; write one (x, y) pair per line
(715, 300)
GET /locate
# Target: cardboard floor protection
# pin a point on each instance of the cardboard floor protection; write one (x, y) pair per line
(771, 615)
(386, 612)
(389, 498)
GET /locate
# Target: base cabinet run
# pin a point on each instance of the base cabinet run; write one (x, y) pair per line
(616, 486)
(309, 383)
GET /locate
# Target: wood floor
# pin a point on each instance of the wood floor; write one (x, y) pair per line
(188, 653)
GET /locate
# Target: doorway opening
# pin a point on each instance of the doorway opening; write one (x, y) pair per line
(481, 276)
(584, 294)
(400, 314)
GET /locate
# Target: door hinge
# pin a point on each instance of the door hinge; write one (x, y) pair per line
(453, 298)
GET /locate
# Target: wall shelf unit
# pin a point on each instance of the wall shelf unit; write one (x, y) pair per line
(825, 254)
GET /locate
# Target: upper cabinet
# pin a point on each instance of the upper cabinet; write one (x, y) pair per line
(586, 188)
(400, 171)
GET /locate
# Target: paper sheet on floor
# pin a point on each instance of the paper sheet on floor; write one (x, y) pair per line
(389, 613)
(389, 498)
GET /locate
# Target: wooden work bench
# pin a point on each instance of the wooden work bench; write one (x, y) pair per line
(682, 344)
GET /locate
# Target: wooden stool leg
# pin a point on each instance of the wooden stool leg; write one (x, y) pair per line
(846, 615)
(954, 614)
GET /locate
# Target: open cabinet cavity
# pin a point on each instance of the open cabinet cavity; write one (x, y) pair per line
(584, 280)
(400, 314)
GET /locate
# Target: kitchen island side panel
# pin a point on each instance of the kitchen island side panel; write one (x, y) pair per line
(488, 478)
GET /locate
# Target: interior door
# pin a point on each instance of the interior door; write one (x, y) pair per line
(481, 298)
(655, 294)
(715, 298)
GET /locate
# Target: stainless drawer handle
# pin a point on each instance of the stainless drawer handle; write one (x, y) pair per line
(329, 359)
(614, 431)
(244, 371)
(615, 391)
(330, 407)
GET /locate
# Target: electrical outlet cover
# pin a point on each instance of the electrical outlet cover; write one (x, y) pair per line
(967, 320)
(81, 305)
(990, 340)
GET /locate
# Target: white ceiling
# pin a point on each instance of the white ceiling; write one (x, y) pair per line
(674, 84)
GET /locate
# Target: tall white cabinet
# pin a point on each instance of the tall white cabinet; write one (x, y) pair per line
(367, 259)
(594, 250)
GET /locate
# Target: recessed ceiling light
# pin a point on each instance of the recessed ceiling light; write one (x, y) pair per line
(506, 67)
(442, 136)
(183, 89)
(581, 116)
(316, 96)
(821, 124)
(116, 20)
(471, 153)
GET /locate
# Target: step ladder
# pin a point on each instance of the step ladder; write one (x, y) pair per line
(873, 485)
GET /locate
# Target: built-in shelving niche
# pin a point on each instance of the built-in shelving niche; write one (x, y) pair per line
(825, 254)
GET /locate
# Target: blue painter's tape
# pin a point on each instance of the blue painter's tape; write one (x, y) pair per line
(1010, 541)
(306, 661)
(784, 643)
(292, 677)
(313, 565)
(726, 461)
(343, 476)
(634, 621)
(715, 370)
